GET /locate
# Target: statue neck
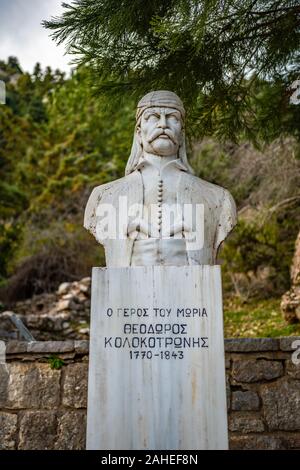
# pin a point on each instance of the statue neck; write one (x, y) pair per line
(157, 160)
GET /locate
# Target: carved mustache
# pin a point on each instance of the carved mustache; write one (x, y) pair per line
(157, 132)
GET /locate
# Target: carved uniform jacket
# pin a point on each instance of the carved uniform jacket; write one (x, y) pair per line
(199, 206)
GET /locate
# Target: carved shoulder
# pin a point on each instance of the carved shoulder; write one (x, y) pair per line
(98, 195)
(213, 193)
(227, 218)
(106, 194)
(219, 199)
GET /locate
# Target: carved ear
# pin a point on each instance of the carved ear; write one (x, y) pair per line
(139, 136)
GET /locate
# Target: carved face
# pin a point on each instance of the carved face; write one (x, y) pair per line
(160, 131)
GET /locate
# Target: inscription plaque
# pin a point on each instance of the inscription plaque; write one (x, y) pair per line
(157, 374)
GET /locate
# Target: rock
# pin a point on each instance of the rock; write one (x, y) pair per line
(281, 404)
(82, 347)
(37, 305)
(51, 346)
(15, 347)
(83, 288)
(75, 385)
(245, 423)
(256, 442)
(288, 343)
(86, 281)
(295, 269)
(250, 344)
(228, 391)
(64, 305)
(8, 431)
(4, 379)
(71, 431)
(290, 303)
(255, 370)
(67, 297)
(293, 370)
(84, 331)
(245, 401)
(47, 314)
(292, 441)
(64, 288)
(32, 386)
(38, 430)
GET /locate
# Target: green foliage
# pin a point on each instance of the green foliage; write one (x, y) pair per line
(256, 318)
(257, 256)
(231, 62)
(48, 167)
(56, 362)
(253, 245)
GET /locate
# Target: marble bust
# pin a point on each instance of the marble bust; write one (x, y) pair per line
(160, 213)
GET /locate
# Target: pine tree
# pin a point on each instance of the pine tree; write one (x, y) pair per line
(231, 61)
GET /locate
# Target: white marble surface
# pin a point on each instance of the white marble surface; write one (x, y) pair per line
(157, 403)
(159, 197)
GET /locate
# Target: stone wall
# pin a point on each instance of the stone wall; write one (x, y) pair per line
(45, 408)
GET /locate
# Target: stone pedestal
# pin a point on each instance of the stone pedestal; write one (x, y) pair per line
(157, 372)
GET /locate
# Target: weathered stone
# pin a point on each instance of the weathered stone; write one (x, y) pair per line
(281, 404)
(254, 371)
(71, 431)
(286, 343)
(245, 401)
(33, 386)
(46, 315)
(75, 385)
(292, 441)
(8, 431)
(86, 281)
(250, 344)
(228, 391)
(82, 346)
(64, 288)
(15, 347)
(84, 289)
(67, 296)
(252, 442)
(4, 378)
(84, 331)
(245, 423)
(7, 333)
(37, 305)
(293, 370)
(51, 346)
(290, 304)
(64, 305)
(38, 430)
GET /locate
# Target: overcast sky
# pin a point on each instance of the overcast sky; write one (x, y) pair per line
(22, 35)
